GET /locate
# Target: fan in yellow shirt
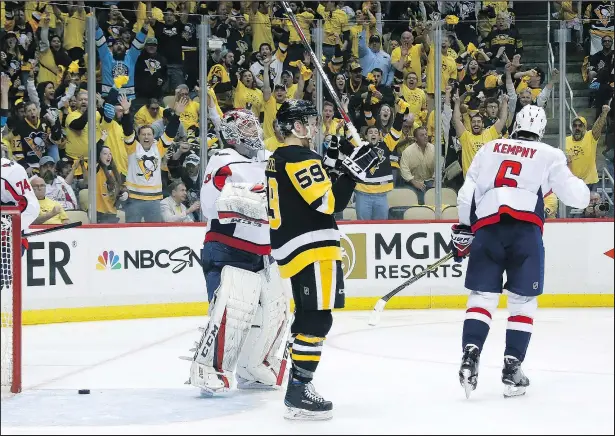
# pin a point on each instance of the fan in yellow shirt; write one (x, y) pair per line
(407, 57)
(551, 205)
(190, 116)
(260, 22)
(148, 113)
(272, 143)
(247, 95)
(449, 67)
(472, 141)
(415, 97)
(51, 212)
(581, 147)
(77, 129)
(364, 21)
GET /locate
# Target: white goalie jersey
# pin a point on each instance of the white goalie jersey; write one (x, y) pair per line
(512, 176)
(16, 191)
(226, 170)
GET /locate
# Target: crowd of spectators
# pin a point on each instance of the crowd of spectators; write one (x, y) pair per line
(379, 56)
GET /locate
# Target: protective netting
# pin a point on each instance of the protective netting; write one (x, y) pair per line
(6, 300)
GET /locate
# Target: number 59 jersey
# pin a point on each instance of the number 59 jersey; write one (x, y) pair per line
(511, 177)
(301, 206)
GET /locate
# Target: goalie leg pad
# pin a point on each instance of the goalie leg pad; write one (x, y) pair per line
(258, 366)
(234, 307)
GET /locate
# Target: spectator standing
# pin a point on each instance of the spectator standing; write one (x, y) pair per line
(335, 24)
(418, 164)
(173, 209)
(375, 58)
(260, 21)
(116, 62)
(407, 57)
(109, 189)
(472, 141)
(51, 212)
(600, 20)
(77, 130)
(150, 73)
(503, 42)
(415, 97)
(273, 101)
(449, 71)
(601, 66)
(144, 181)
(149, 113)
(247, 95)
(170, 41)
(56, 187)
(581, 148)
(74, 30)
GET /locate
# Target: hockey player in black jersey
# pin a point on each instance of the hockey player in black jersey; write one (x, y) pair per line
(305, 241)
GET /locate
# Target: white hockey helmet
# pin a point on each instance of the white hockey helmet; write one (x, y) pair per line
(531, 119)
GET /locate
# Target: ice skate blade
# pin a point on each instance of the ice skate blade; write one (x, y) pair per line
(512, 391)
(467, 386)
(294, 413)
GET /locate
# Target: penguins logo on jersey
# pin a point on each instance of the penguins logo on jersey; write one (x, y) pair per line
(242, 46)
(152, 66)
(36, 142)
(381, 159)
(119, 69)
(147, 165)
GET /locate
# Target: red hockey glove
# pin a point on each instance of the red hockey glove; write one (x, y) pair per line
(462, 238)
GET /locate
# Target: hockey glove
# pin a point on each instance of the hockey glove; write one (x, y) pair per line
(362, 159)
(462, 237)
(332, 154)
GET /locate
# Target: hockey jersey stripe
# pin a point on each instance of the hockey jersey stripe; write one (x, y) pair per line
(306, 239)
(520, 215)
(240, 244)
(307, 257)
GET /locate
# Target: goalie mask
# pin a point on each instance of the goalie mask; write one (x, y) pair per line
(292, 111)
(241, 130)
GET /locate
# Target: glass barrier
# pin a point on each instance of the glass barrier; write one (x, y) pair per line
(141, 164)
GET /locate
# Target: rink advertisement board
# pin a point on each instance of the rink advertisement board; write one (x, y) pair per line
(152, 270)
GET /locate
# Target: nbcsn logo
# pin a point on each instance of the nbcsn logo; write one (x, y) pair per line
(108, 260)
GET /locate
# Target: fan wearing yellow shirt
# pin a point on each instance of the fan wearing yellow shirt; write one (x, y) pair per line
(77, 130)
(74, 30)
(260, 21)
(305, 17)
(365, 22)
(407, 57)
(449, 70)
(190, 115)
(273, 100)
(148, 113)
(275, 141)
(581, 148)
(335, 22)
(247, 95)
(472, 141)
(415, 97)
(51, 212)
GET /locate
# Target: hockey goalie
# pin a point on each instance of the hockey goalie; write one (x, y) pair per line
(248, 301)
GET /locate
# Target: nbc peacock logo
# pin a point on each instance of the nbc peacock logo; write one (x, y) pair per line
(108, 260)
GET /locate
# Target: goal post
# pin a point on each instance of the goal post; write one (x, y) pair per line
(10, 298)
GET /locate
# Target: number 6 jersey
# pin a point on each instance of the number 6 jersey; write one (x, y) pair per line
(302, 200)
(512, 176)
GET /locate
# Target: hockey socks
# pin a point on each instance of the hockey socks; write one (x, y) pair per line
(305, 354)
(518, 334)
(476, 327)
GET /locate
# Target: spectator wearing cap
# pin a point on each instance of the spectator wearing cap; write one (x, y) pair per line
(173, 209)
(150, 73)
(288, 82)
(365, 21)
(117, 61)
(581, 148)
(169, 36)
(247, 95)
(57, 188)
(51, 212)
(375, 58)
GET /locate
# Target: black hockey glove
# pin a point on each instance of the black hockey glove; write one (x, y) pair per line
(362, 159)
(462, 237)
(332, 154)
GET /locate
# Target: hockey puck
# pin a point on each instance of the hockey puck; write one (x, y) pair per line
(84, 391)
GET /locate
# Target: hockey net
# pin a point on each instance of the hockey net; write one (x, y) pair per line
(10, 299)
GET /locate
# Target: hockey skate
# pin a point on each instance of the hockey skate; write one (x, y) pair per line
(515, 382)
(304, 403)
(468, 373)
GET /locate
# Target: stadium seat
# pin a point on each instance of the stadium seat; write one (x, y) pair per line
(349, 214)
(419, 213)
(400, 199)
(450, 213)
(168, 101)
(449, 196)
(83, 199)
(78, 215)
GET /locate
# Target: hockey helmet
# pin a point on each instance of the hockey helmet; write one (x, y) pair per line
(294, 110)
(531, 119)
(241, 130)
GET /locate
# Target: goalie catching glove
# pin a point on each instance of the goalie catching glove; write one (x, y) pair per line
(361, 160)
(462, 237)
(243, 202)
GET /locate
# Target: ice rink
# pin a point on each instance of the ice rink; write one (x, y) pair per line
(399, 377)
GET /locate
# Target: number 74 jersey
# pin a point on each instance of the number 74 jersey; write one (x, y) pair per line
(16, 191)
(512, 176)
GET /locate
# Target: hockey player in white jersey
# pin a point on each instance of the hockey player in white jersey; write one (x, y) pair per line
(501, 217)
(248, 300)
(16, 191)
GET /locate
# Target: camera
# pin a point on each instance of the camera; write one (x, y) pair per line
(603, 207)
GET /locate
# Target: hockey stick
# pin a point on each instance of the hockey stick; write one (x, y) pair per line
(351, 128)
(53, 229)
(287, 346)
(379, 307)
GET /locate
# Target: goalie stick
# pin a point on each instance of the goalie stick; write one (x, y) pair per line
(351, 128)
(53, 229)
(379, 307)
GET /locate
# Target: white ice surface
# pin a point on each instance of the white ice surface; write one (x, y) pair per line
(398, 377)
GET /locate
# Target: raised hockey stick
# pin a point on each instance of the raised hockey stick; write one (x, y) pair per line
(379, 307)
(53, 229)
(351, 128)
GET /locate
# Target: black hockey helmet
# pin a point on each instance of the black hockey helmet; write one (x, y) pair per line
(294, 110)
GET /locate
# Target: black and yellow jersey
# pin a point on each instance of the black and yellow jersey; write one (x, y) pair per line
(302, 199)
